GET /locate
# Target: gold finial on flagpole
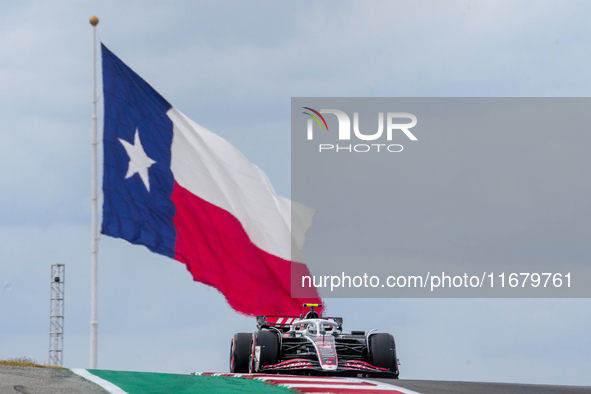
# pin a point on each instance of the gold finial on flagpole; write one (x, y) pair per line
(94, 20)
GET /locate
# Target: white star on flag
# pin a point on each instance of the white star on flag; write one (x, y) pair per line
(139, 162)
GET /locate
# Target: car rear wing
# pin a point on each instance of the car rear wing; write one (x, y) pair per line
(284, 322)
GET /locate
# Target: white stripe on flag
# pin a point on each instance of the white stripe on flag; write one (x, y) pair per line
(210, 167)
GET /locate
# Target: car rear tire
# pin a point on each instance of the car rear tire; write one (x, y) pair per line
(382, 352)
(240, 352)
(269, 345)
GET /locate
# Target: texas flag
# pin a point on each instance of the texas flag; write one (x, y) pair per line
(186, 193)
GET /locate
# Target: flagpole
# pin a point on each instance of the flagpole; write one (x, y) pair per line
(94, 204)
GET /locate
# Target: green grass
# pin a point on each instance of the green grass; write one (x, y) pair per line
(157, 383)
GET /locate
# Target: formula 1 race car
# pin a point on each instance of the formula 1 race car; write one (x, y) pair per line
(312, 345)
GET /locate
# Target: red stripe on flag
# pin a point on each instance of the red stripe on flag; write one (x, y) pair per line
(214, 246)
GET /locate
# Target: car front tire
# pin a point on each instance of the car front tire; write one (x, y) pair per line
(269, 345)
(240, 352)
(382, 352)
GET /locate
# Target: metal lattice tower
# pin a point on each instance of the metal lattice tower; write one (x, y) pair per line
(56, 315)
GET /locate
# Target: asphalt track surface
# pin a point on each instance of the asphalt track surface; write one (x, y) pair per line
(26, 380)
(444, 387)
(32, 380)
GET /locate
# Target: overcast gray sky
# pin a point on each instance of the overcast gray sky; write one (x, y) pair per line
(233, 66)
(491, 185)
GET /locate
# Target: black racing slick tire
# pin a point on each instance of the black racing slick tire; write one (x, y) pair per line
(240, 352)
(269, 350)
(382, 352)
